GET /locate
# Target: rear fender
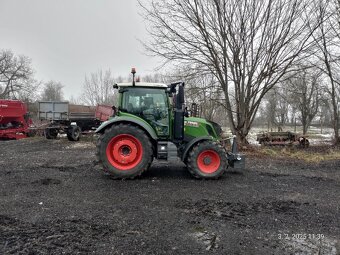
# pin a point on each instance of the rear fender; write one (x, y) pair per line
(125, 119)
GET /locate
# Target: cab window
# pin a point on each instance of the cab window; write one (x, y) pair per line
(149, 104)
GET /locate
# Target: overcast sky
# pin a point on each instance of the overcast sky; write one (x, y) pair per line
(67, 39)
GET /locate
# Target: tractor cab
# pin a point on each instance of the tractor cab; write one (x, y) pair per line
(148, 101)
(160, 105)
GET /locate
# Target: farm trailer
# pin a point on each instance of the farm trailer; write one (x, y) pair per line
(71, 120)
(282, 139)
(15, 121)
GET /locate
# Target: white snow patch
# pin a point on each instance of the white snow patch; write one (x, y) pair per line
(80, 145)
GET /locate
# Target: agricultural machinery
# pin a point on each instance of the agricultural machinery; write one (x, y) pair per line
(150, 122)
(282, 138)
(14, 120)
(64, 119)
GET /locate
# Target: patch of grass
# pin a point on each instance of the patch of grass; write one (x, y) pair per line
(198, 229)
(316, 157)
(310, 155)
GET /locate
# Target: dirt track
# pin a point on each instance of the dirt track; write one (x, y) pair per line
(53, 200)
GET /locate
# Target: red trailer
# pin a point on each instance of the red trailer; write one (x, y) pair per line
(104, 112)
(14, 120)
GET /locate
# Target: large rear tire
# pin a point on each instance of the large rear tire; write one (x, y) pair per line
(124, 151)
(207, 160)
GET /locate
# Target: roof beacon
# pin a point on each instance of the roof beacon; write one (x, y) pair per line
(133, 71)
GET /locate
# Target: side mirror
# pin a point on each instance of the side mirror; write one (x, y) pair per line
(186, 112)
(194, 110)
(168, 91)
(179, 97)
(114, 111)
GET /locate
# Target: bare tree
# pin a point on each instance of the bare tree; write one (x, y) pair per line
(329, 47)
(157, 77)
(275, 108)
(52, 91)
(325, 112)
(97, 88)
(247, 45)
(15, 74)
(30, 91)
(305, 94)
(205, 91)
(74, 100)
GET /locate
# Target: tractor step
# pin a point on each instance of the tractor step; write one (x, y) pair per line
(166, 151)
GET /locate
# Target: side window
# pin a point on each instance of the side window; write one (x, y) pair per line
(149, 104)
(132, 102)
(160, 101)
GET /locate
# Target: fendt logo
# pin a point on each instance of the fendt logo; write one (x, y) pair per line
(3, 105)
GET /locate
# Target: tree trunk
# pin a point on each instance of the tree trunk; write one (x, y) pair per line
(241, 138)
(336, 130)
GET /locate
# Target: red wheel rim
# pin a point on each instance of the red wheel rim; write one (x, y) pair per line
(208, 161)
(124, 152)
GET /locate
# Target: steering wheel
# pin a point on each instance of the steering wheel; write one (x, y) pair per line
(160, 113)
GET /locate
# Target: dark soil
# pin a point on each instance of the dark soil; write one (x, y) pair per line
(55, 200)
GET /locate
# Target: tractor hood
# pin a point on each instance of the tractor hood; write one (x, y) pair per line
(196, 127)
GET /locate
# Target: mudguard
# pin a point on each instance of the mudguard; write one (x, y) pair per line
(192, 143)
(235, 159)
(121, 119)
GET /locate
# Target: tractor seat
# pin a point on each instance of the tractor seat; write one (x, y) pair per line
(148, 102)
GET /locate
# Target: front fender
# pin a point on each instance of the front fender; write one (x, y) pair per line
(125, 119)
(192, 143)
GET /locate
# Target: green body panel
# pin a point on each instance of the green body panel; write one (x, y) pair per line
(198, 127)
(193, 127)
(126, 117)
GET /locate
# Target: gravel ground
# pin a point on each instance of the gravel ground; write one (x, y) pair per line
(54, 200)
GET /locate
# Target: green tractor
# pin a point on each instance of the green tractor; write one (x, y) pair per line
(150, 122)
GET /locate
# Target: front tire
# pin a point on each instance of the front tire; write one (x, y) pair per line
(207, 160)
(124, 151)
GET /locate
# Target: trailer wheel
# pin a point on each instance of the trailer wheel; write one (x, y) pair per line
(31, 133)
(207, 160)
(303, 142)
(51, 133)
(124, 151)
(73, 133)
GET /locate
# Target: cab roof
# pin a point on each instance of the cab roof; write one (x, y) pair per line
(143, 84)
